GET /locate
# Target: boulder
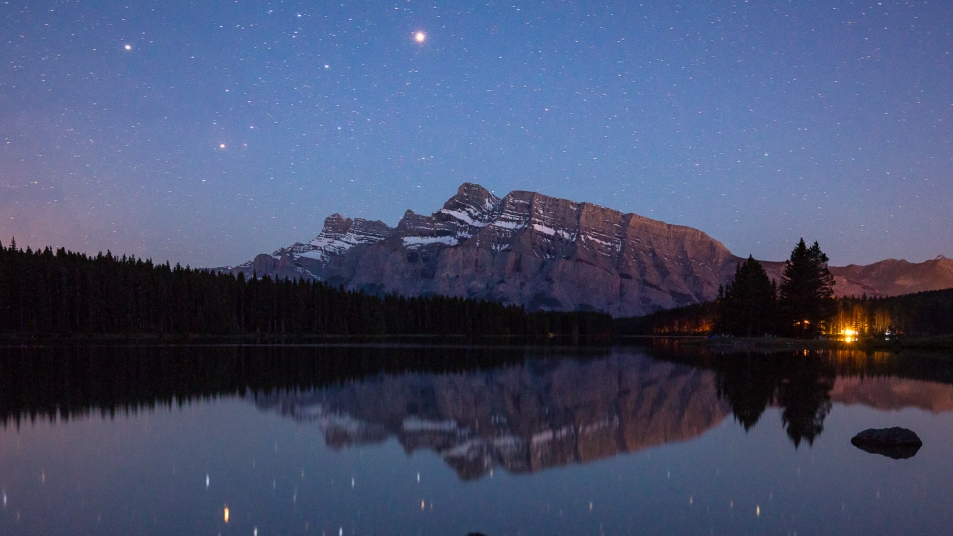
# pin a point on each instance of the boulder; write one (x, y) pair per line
(897, 443)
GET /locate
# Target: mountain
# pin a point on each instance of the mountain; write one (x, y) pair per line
(894, 277)
(525, 248)
(542, 414)
(547, 253)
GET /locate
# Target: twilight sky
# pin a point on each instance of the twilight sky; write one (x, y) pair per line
(206, 132)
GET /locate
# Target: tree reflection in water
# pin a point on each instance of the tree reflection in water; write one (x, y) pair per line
(799, 383)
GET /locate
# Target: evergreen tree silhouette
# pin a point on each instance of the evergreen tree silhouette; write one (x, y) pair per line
(748, 305)
(806, 292)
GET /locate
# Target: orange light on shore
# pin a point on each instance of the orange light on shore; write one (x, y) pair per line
(850, 335)
(226, 514)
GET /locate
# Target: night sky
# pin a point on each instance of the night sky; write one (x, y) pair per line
(206, 132)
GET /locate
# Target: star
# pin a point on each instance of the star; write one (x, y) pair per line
(420, 37)
(128, 47)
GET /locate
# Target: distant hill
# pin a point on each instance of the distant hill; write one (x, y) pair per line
(546, 253)
(890, 277)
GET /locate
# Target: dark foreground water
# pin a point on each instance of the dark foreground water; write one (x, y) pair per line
(375, 441)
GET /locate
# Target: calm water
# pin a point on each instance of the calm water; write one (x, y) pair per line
(419, 441)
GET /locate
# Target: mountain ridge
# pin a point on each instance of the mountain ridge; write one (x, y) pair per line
(547, 253)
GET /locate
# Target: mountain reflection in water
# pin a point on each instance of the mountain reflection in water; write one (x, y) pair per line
(546, 413)
(541, 414)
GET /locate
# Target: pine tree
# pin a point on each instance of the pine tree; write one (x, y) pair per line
(747, 306)
(807, 291)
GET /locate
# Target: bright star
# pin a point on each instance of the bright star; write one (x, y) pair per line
(128, 47)
(420, 37)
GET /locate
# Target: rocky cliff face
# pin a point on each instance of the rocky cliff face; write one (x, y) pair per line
(547, 254)
(525, 248)
(543, 414)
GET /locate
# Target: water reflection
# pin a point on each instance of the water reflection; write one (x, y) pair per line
(540, 414)
(805, 383)
(479, 407)
(70, 382)
(800, 384)
(784, 465)
(547, 413)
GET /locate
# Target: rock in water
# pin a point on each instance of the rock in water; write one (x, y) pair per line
(897, 443)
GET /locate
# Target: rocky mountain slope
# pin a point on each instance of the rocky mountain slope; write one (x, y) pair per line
(547, 253)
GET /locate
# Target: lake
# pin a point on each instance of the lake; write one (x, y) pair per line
(403, 440)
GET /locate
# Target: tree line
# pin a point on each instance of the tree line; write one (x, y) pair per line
(65, 293)
(46, 292)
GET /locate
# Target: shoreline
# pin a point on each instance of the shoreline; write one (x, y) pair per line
(764, 344)
(942, 342)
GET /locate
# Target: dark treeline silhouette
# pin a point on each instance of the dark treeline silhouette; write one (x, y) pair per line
(922, 314)
(65, 293)
(63, 382)
(694, 319)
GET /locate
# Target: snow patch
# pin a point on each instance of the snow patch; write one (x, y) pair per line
(503, 224)
(464, 217)
(543, 229)
(314, 254)
(417, 241)
(603, 242)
